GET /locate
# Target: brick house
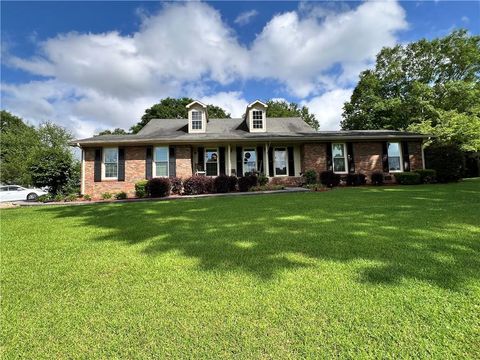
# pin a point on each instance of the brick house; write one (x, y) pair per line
(281, 148)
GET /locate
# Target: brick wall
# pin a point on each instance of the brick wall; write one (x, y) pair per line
(415, 155)
(183, 156)
(368, 157)
(314, 156)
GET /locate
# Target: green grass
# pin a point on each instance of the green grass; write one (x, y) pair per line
(359, 272)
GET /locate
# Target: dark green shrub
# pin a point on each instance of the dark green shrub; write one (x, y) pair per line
(221, 184)
(177, 185)
(310, 177)
(106, 196)
(197, 185)
(71, 197)
(244, 183)
(356, 179)
(45, 198)
(232, 183)
(408, 178)
(122, 195)
(427, 176)
(262, 180)
(329, 178)
(253, 179)
(87, 197)
(59, 197)
(140, 191)
(158, 187)
(377, 178)
(446, 160)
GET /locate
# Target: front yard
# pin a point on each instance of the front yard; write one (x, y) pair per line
(356, 272)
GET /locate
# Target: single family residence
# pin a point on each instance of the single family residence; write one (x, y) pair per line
(280, 148)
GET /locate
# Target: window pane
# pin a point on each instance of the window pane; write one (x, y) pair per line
(394, 149)
(161, 153)
(394, 163)
(161, 168)
(111, 155)
(338, 150)
(110, 170)
(249, 160)
(257, 115)
(196, 125)
(280, 161)
(196, 115)
(339, 164)
(211, 160)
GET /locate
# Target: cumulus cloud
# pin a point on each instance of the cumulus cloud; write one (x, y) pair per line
(328, 107)
(94, 81)
(245, 17)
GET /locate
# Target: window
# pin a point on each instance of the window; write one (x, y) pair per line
(257, 117)
(339, 156)
(280, 161)
(110, 161)
(4, 188)
(160, 157)
(249, 160)
(211, 162)
(196, 120)
(394, 157)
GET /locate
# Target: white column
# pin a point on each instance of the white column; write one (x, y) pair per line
(82, 183)
(266, 165)
(229, 161)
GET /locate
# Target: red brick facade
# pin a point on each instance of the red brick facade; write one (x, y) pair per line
(367, 157)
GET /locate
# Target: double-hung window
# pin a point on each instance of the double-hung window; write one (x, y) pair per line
(257, 117)
(160, 159)
(110, 162)
(197, 120)
(249, 160)
(211, 162)
(394, 157)
(280, 161)
(339, 158)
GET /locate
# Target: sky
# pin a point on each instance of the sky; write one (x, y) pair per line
(90, 66)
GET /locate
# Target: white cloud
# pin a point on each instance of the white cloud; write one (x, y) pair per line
(328, 107)
(245, 17)
(102, 80)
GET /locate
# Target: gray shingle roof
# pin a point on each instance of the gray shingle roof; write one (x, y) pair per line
(288, 129)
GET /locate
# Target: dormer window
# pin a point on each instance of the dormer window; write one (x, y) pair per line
(257, 117)
(197, 120)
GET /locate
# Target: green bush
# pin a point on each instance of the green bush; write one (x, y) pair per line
(122, 195)
(262, 179)
(329, 178)
(87, 197)
(106, 196)
(377, 178)
(408, 178)
(310, 177)
(71, 197)
(45, 198)
(427, 176)
(316, 187)
(446, 160)
(356, 179)
(59, 197)
(140, 191)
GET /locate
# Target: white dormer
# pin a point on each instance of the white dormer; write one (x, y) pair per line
(197, 117)
(257, 116)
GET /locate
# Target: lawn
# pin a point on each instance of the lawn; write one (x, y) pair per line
(357, 272)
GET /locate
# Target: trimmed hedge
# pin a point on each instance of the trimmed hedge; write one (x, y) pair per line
(158, 187)
(446, 160)
(177, 185)
(356, 179)
(427, 176)
(221, 184)
(197, 185)
(329, 178)
(310, 177)
(122, 195)
(232, 183)
(408, 178)
(140, 191)
(377, 178)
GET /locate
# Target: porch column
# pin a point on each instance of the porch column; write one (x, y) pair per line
(266, 165)
(228, 171)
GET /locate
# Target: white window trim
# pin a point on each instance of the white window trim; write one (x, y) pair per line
(205, 160)
(154, 162)
(261, 119)
(345, 157)
(248, 148)
(104, 177)
(274, 162)
(401, 157)
(195, 120)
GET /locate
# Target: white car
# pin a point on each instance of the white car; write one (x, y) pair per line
(16, 193)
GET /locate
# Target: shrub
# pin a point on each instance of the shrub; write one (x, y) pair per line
(158, 187)
(58, 197)
(122, 195)
(310, 177)
(253, 179)
(232, 183)
(267, 187)
(377, 178)
(106, 196)
(316, 187)
(427, 176)
(87, 197)
(45, 198)
(140, 191)
(177, 185)
(446, 160)
(196, 185)
(262, 180)
(408, 178)
(356, 179)
(244, 183)
(221, 184)
(329, 178)
(71, 197)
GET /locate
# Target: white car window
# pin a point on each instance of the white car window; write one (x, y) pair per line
(4, 188)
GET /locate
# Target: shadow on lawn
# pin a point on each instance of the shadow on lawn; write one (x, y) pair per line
(426, 233)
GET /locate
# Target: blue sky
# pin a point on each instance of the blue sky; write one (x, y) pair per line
(95, 65)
